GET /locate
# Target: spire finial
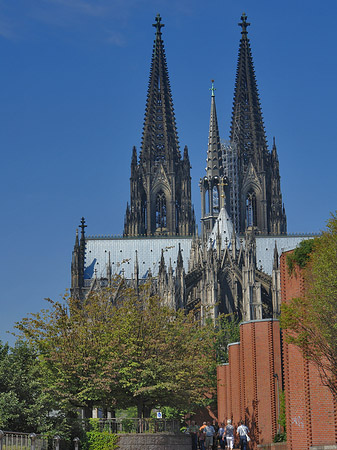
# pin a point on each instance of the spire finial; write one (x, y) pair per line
(158, 24)
(244, 24)
(212, 89)
(83, 226)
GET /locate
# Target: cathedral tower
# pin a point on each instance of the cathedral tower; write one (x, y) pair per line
(160, 182)
(258, 180)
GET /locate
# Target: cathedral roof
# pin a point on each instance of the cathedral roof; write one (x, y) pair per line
(123, 255)
(224, 227)
(265, 248)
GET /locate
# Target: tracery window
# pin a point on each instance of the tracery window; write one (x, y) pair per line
(161, 217)
(251, 214)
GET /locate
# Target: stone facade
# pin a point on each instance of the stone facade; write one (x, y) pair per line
(160, 183)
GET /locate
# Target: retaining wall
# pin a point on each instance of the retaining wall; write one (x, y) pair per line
(158, 441)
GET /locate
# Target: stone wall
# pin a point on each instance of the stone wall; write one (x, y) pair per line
(159, 441)
(273, 446)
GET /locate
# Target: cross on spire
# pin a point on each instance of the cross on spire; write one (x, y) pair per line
(212, 88)
(244, 24)
(158, 24)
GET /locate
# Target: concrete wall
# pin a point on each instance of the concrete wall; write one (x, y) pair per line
(158, 441)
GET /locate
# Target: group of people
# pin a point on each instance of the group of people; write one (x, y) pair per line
(208, 436)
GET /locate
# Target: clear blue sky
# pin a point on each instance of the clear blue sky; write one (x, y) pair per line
(73, 84)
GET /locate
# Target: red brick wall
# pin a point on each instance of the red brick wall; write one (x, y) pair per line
(234, 390)
(262, 360)
(310, 410)
(250, 386)
(222, 391)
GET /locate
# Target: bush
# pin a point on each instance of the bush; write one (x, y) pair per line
(280, 437)
(100, 440)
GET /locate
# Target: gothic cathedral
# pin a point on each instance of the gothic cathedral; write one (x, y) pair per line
(233, 266)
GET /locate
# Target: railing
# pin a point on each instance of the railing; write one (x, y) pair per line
(133, 425)
(21, 441)
(30, 441)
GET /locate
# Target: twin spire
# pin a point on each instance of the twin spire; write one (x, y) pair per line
(160, 137)
(247, 127)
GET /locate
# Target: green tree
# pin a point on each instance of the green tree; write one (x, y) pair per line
(167, 358)
(120, 348)
(24, 405)
(76, 348)
(228, 331)
(311, 320)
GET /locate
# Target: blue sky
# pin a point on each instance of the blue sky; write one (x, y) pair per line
(73, 84)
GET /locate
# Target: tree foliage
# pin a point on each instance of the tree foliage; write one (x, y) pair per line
(26, 405)
(21, 402)
(311, 320)
(121, 347)
(228, 327)
(300, 256)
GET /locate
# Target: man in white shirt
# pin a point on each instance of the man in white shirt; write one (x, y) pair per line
(243, 431)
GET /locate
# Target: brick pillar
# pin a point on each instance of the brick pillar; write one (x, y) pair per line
(261, 354)
(235, 374)
(222, 389)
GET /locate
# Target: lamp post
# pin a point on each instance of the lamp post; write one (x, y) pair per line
(32, 441)
(76, 441)
(57, 442)
(2, 434)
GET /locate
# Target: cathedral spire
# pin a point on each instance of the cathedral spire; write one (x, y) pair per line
(214, 158)
(160, 138)
(247, 128)
(77, 263)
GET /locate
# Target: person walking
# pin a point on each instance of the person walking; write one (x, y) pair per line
(215, 437)
(243, 431)
(229, 433)
(221, 435)
(193, 430)
(210, 432)
(202, 436)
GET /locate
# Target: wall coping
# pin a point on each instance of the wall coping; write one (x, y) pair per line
(234, 343)
(260, 320)
(324, 447)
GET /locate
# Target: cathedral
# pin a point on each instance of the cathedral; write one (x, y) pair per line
(233, 265)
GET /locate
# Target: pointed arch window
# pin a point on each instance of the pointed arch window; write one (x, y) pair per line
(216, 204)
(251, 214)
(144, 214)
(161, 217)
